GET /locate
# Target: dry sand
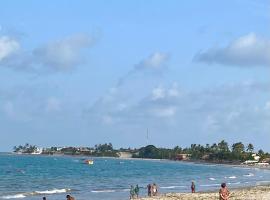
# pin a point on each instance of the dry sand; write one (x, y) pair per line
(252, 193)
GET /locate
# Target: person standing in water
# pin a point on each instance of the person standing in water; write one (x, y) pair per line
(192, 187)
(137, 190)
(224, 192)
(44, 198)
(149, 190)
(132, 192)
(154, 189)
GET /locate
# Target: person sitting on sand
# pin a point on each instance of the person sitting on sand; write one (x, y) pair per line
(224, 192)
(137, 190)
(132, 192)
(154, 189)
(149, 190)
(192, 187)
(70, 197)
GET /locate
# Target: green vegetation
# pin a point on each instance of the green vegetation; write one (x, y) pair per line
(27, 148)
(100, 150)
(221, 152)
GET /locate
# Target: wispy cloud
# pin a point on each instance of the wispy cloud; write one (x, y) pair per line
(63, 54)
(155, 63)
(247, 51)
(227, 109)
(8, 47)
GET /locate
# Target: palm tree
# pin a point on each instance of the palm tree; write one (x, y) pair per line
(223, 146)
(250, 148)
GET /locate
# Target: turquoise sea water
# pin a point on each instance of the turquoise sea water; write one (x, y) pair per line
(32, 177)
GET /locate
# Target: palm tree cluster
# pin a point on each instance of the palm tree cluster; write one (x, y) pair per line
(27, 148)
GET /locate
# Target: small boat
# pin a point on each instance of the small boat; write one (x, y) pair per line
(89, 162)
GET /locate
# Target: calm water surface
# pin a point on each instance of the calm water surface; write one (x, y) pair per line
(32, 177)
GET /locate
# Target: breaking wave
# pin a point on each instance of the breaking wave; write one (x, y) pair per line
(26, 194)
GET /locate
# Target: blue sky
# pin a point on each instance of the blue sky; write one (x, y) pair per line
(87, 72)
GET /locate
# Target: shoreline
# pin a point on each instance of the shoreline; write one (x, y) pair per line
(261, 192)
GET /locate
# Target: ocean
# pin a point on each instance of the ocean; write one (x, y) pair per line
(33, 176)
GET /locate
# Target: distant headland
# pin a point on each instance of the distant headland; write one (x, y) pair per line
(220, 152)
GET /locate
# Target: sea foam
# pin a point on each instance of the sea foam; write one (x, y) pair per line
(16, 196)
(54, 191)
(23, 195)
(102, 191)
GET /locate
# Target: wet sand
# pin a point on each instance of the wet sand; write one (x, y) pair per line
(251, 193)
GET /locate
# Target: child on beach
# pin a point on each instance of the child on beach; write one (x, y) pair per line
(224, 192)
(192, 187)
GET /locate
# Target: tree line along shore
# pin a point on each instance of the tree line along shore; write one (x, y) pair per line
(220, 152)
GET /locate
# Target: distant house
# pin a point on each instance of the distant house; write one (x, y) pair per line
(59, 148)
(123, 154)
(38, 151)
(182, 156)
(256, 157)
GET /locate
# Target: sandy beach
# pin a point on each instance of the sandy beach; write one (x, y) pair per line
(251, 193)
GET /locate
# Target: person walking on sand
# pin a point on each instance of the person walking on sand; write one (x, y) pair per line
(132, 192)
(70, 197)
(192, 187)
(224, 192)
(149, 190)
(137, 190)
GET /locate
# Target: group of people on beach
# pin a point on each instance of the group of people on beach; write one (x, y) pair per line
(134, 191)
(152, 190)
(224, 193)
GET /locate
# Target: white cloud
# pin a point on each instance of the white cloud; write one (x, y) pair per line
(156, 61)
(158, 93)
(247, 51)
(63, 54)
(8, 46)
(56, 56)
(161, 93)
